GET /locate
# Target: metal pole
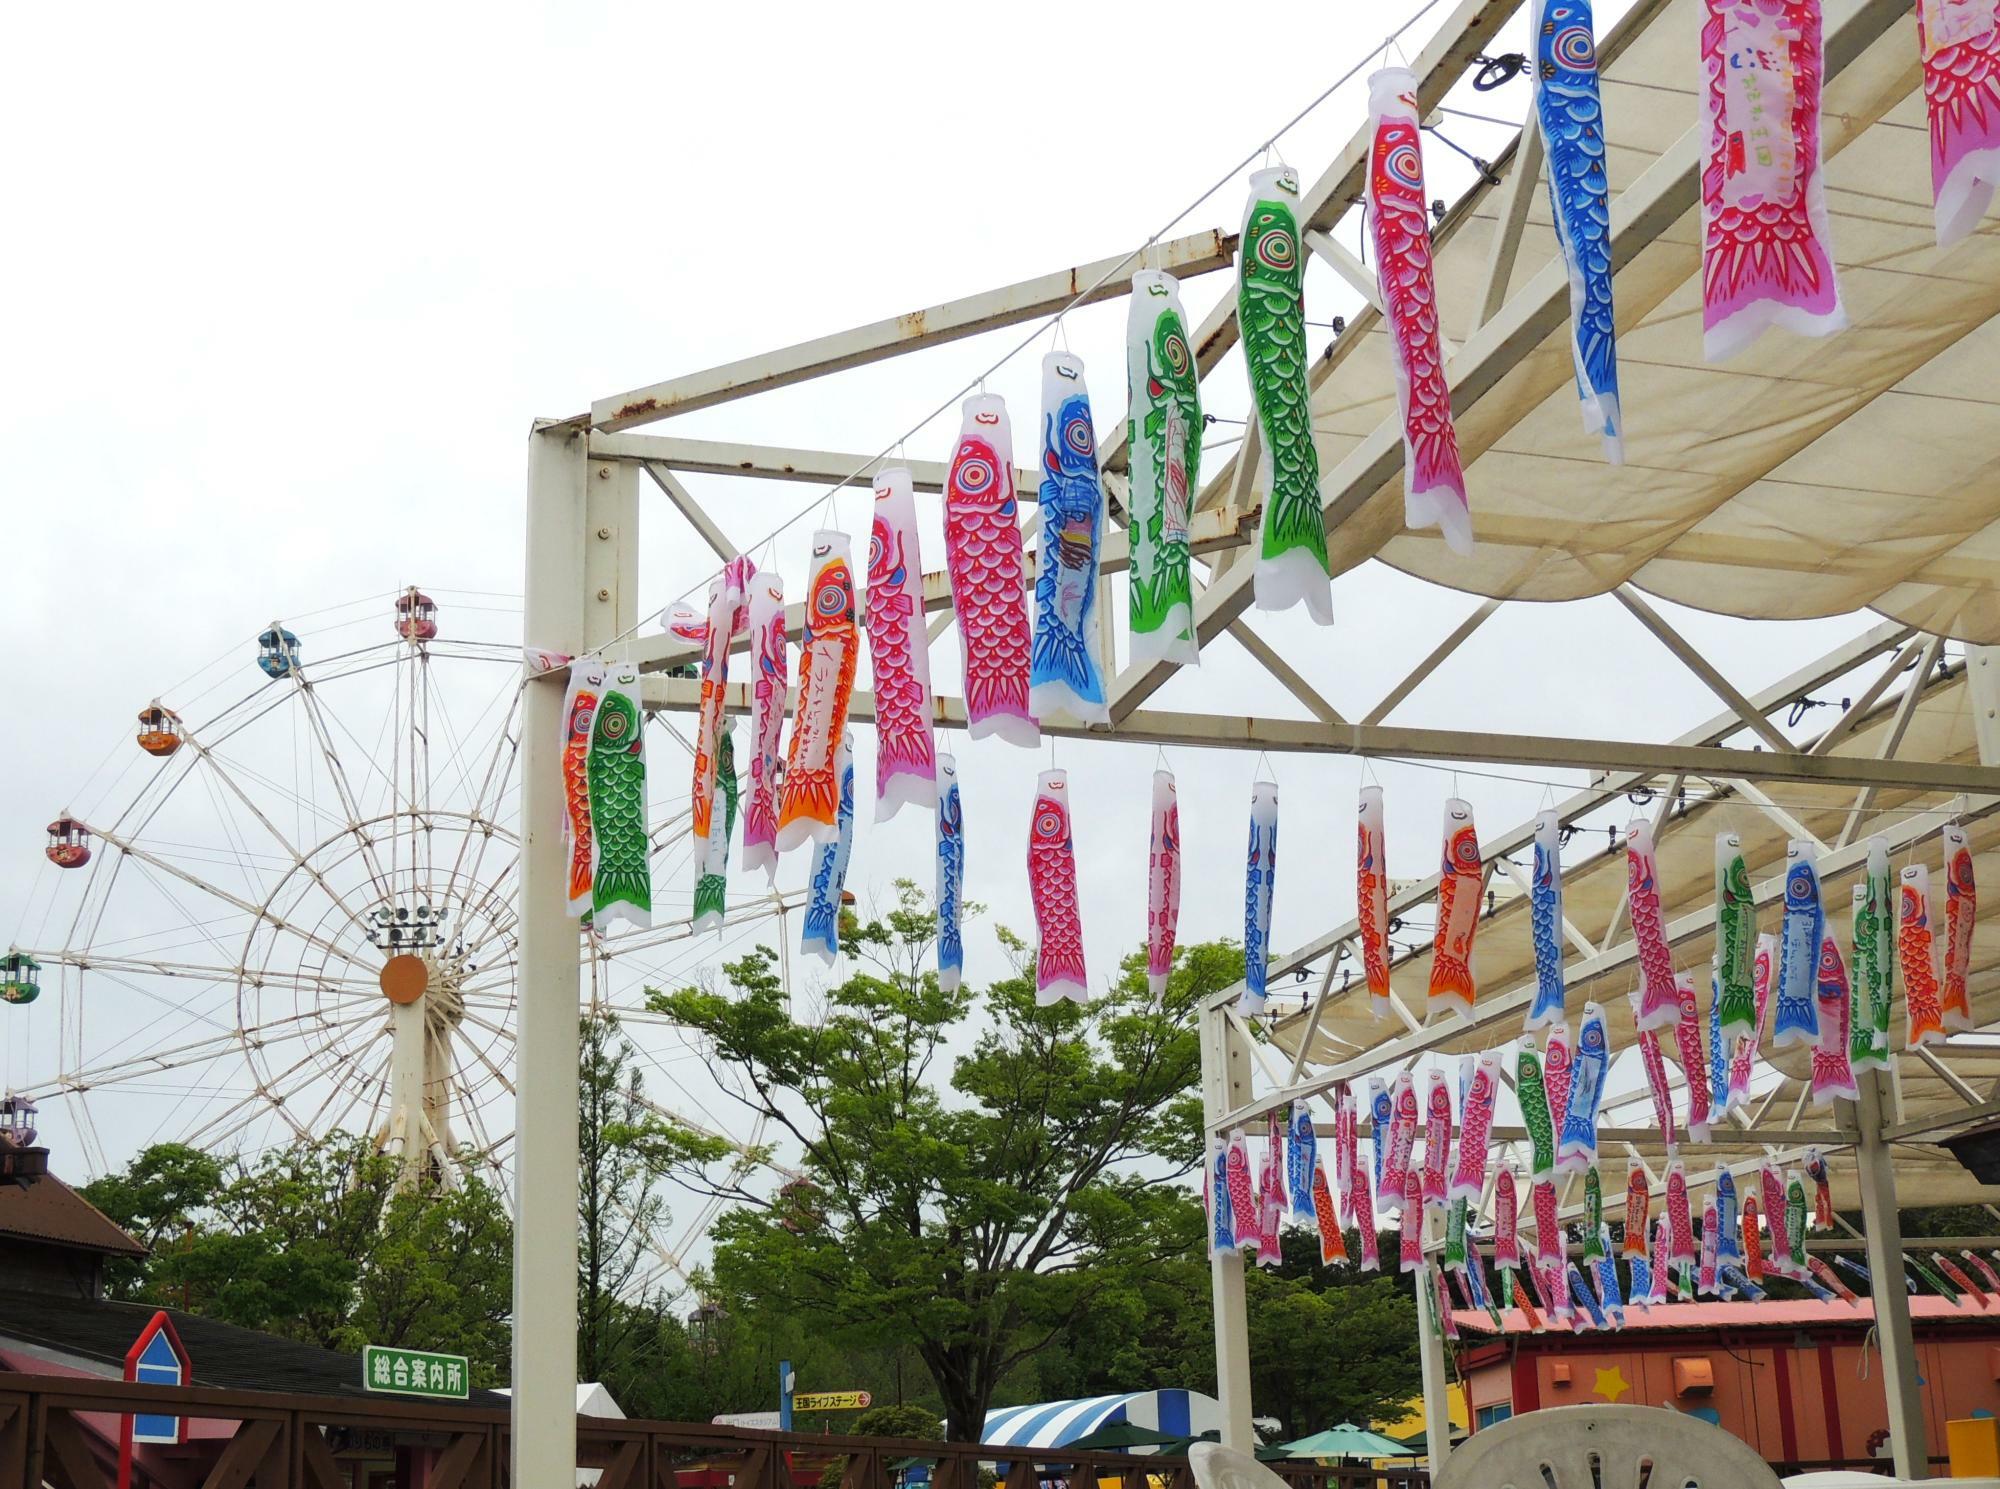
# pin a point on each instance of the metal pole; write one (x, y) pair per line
(1436, 1373)
(546, 1052)
(1876, 1166)
(1225, 1078)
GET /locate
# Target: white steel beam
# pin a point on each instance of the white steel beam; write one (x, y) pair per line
(708, 457)
(1689, 656)
(696, 514)
(1225, 1083)
(1892, 740)
(1416, 675)
(1105, 279)
(1517, 194)
(1882, 1221)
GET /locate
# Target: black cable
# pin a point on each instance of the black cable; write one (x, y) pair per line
(1485, 168)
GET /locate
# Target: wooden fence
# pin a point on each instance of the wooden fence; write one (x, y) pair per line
(63, 1431)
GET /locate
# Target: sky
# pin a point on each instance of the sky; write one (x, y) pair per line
(291, 285)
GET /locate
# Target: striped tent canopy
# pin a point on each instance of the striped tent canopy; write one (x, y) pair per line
(1051, 1424)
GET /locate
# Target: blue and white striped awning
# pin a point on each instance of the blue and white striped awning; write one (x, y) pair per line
(1050, 1424)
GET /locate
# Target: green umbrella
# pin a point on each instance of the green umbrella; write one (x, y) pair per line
(1177, 1448)
(1346, 1441)
(1115, 1435)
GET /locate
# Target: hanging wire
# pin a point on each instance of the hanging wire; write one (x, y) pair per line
(1121, 266)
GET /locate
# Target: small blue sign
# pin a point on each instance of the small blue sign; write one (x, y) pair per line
(156, 1360)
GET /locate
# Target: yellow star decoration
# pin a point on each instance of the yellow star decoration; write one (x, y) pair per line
(1611, 1384)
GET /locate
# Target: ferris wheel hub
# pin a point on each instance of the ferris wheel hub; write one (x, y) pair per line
(404, 979)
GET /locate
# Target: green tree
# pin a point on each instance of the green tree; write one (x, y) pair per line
(977, 1205)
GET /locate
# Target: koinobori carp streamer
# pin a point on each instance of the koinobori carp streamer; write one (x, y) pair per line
(1059, 968)
(1260, 875)
(1163, 882)
(769, 657)
(1064, 678)
(899, 652)
(1163, 399)
(1458, 900)
(982, 544)
(820, 934)
(809, 798)
(1372, 898)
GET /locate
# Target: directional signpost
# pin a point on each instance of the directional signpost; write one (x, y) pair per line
(157, 1358)
(831, 1401)
(415, 1372)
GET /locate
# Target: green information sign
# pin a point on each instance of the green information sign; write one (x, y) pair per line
(414, 1372)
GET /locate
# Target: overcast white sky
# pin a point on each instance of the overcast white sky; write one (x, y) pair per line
(288, 287)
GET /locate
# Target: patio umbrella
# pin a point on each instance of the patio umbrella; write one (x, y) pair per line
(1346, 1441)
(1266, 1452)
(1115, 1435)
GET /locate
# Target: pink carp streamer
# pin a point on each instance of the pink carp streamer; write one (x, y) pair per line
(989, 586)
(1452, 986)
(1659, 1005)
(1663, 1091)
(1372, 898)
(1059, 971)
(1556, 1065)
(809, 796)
(1832, 1073)
(1772, 1183)
(1475, 1127)
(1753, 1240)
(1548, 1230)
(1271, 1191)
(1346, 1144)
(1694, 1058)
(1402, 1139)
(1506, 1220)
(723, 602)
(899, 652)
(1766, 257)
(1638, 1198)
(1361, 1201)
(1242, 1193)
(1914, 954)
(1960, 43)
(1412, 1251)
(586, 691)
(1961, 911)
(1399, 210)
(1763, 966)
(1437, 1138)
(769, 655)
(1711, 1241)
(1680, 1225)
(1163, 882)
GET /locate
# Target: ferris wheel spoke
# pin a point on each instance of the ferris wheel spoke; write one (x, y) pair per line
(330, 757)
(198, 972)
(340, 1086)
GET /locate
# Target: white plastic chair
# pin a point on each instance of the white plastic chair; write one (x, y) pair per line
(1604, 1447)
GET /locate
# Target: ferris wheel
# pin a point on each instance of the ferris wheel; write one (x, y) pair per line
(294, 913)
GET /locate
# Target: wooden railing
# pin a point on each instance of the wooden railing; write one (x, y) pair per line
(63, 1431)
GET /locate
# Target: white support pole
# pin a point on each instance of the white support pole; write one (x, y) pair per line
(1436, 1374)
(1225, 1085)
(1875, 1165)
(545, 1050)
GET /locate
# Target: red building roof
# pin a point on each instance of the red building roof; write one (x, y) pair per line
(1771, 1314)
(50, 1212)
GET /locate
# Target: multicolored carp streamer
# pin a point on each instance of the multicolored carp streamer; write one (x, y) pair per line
(1763, 966)
(1638, 1199)
(622, 864)
(1766, 257)
(1680, 1225)
(1694, 1058)
(1832, 1072)
(1945, 1289)
(1475, 1127)
(1822, 1179)
(1532, 1092)
(1572, 120)
(1656, 1081)
(1399, 213)
(1914, 951)
(1506, 1220)
(1059, 971)
(1270, 311)
(1797, 1020)
(1663, 1257)
(820, 936)
(1371, 897)
(1326, 1219)
(1064, 679)
(1578, 1148)
(1454, 1235)
(1718, 1048)
(1412, 1223)
(1961, 911)
(1642, 1279)
(1222, 1223)
(1271, 1192)
(1556, 1074)
(950, 876)
(1585, 1298)
(1381, 1122)
(982, 546)
(711, 886)
(1960, 43)
(1986, 1272)
(1593, 1213)
(1727, 1248)
(1437, 1137)
(899, 652)
(1830, 1280)
(769, 656)
(1548, 1229)
(1736, 935)
(723, 603)
(1242, 1193)
(1545, 915)
(1452, 985)
(1163, 397)
(1402, 1140)
(1361, 1201)
(1795, 1220)
(1260, 881)
(1659, 1005)
(1163, 882)
(1753, 1240)
(586, 690)
(809, 797)
(1874, 960)
(1346, 1143)
(1301, 1162)
(1772, 1184)
(1711, 1232)
(1441, 1305)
